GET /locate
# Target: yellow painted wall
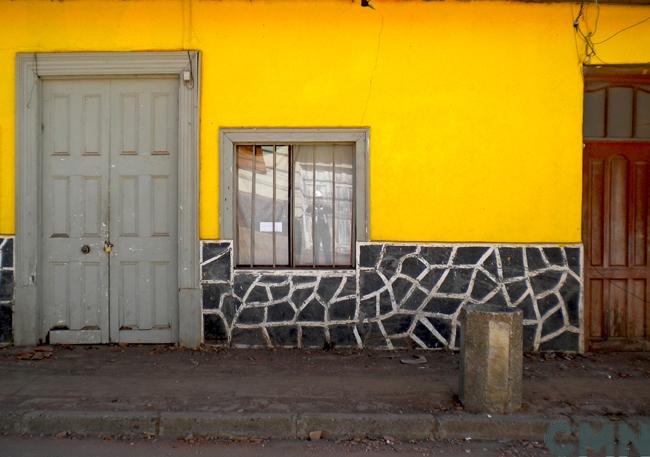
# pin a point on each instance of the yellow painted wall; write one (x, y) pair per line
(474, 107)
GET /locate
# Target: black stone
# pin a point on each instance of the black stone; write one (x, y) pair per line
(229, 307)
(401, 287)
(573, 259)
(483, 285)
(545, 281)
(512, 262)
(251, 315)
(313, 337)
(369, 282)
(547, 303)
(218, 269)
(425, 335)
(278, 292)
(442, 326)
(443, 305)
(368, 308)
(528, 308)
(212, 294)
(566, 341)
(392, 256)
(280, 312)
(535, 259)
(6, 317)
(398, 250)
(248, 337)
(373, 338)
(529, 337)
(388, 266)
(430, 280)
(436, 255)
(299, 296)
(300, 279)
(214, 329)
(554, 256)
(412, 267)
(259, 294)
(342, 335)
(369, 255)
(516, 290)
(457, 281)
(242, 283)
(6, 285)
(385, 303)
(570, 293)
(397, 324)
(328, 287)
(469, 255)
(553, 322)
(313, 312)
(490, 264)
(8, 254)
(343, 310)
(211, 250)
(273, 279)
(415, 300)
(350, 287)
(283, 336)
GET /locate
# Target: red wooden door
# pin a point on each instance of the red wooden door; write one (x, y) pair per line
(616, 176)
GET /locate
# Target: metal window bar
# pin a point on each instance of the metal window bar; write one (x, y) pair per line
(253, 189)
(273, 209)
(333, 207)
(313, 206)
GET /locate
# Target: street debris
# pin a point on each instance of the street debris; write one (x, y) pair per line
(315, 435)
(414, 360)
(38, 353)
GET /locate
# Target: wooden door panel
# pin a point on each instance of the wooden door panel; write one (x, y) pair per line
(143, 213)
(615, 236)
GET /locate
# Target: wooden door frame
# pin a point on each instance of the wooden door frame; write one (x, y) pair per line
(31, 70)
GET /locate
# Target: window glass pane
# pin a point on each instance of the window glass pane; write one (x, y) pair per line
(643, 112)
(619, 112)
(282, 205)
(594, 114)
(244, 200)
(323, 204)
(343, 209)
(303, 195)
(263, 206)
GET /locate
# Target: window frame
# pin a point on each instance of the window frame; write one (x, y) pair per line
(229, 137)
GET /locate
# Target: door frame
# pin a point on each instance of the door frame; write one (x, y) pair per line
(31, 69)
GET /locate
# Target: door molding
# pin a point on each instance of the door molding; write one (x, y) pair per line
(31, 69)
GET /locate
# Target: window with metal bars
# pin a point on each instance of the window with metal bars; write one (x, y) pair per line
(295, 205)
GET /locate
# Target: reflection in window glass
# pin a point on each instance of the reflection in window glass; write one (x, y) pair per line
(263, 204)
(295, 205)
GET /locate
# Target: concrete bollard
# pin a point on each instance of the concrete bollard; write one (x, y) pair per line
(491, 358)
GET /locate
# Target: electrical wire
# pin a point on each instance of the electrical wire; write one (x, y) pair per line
(623, 30)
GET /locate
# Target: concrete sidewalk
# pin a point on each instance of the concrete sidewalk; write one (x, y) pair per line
(168, 392)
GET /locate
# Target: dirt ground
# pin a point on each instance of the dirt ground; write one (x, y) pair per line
(52, 447)
(165, 378)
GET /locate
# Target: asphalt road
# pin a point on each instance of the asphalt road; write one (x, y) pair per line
(67, 447)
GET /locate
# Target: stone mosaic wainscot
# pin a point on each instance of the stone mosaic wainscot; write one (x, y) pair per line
(6, 287)
(400, 295)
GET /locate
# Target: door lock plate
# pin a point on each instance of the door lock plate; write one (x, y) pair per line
(108, 247)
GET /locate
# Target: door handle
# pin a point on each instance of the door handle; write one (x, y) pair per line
(108, 247)
(85, 249)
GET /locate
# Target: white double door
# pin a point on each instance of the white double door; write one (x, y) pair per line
(108, 258)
